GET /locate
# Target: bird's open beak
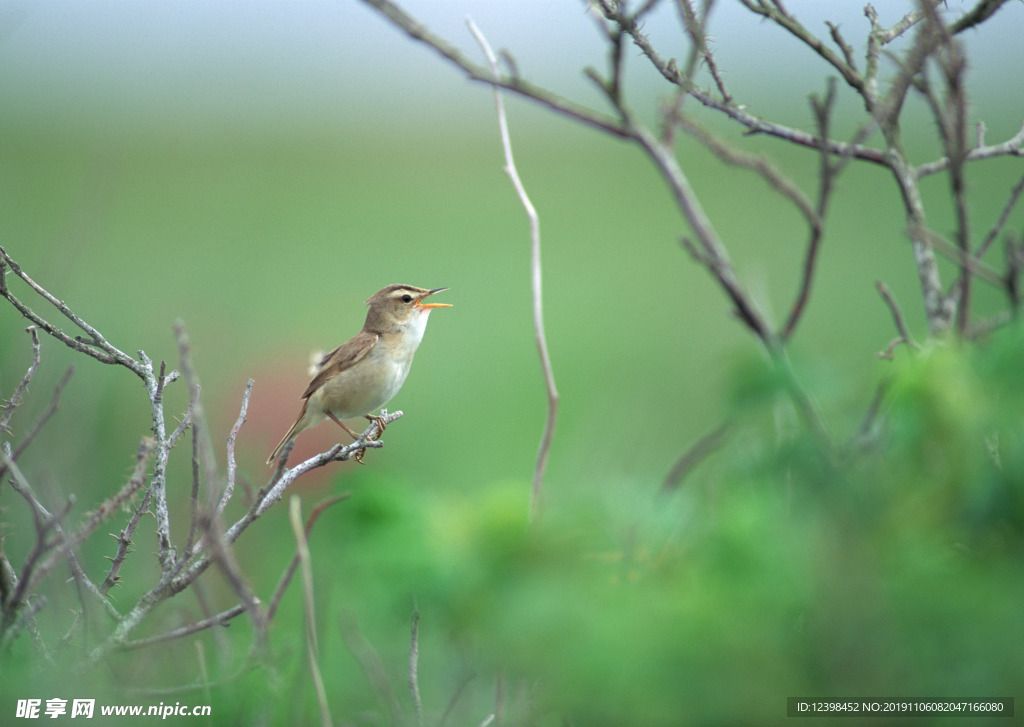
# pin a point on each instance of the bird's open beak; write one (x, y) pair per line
(421, 304)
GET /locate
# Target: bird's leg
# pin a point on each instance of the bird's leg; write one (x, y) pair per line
(362, 452)
(342, 425)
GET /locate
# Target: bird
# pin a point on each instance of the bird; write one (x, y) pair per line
(363, 374)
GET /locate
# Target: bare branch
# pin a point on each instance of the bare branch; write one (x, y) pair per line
(108, 507)
(417, 31)
(229, 487)
(45, 524)
(844, 46)
(204, 466)
(1000, 223)
(535, 268)
(220, 619)
(712, 253)
(19, 391)
(693, 456)
(158, 482)
(124, 543)
(182, 575)
(107, 353)
(826, 175)
(193, 497)
(897, 317)
(952, 123)
(740, 113)
(700, 49)
(220, 551)
(885, 36)
(337, 453)
(964, 261)
(867, 432)
(45, 417)
(758, 163)
(977, 15)
(784, 19)
(1014, 146)
(1014, 265)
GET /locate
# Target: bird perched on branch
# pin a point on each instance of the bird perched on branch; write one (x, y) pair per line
(362, 374)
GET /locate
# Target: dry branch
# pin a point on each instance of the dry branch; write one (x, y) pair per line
(535, 279)
(209, 541)
(933, 42)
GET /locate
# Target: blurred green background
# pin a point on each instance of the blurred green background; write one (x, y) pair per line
(257, 171)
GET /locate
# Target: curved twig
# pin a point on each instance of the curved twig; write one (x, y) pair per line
(535, 277)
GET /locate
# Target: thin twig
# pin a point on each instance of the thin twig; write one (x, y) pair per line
(19, 391)
(108, 507)
(758, 163)
(219, 619)
(697, 453)
(1014, 146)
(158, 482)
(204, 465)
(107, 353)
(965, 261)
(45, 417)
(419, 32)
(184, 575)
(414, 664)
(908, 21)
(950, 113)
(897, 317)
(124, 543)
(193, 499)
(535, 266)
(454, 699)
(286, 577)
(696, 28)
(229, 487)
(976, 15)
(708, 250)
(822, 109)
(222, 552)
(45, 523)
(312, 649)
(1000, 223)
(867, 432)
(371, 664)
(778, 14)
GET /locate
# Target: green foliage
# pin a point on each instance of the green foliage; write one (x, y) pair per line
(890, 567)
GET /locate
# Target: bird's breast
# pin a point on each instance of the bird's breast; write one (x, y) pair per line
(366, 386)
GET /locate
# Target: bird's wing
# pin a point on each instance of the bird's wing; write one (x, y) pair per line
(341, 358)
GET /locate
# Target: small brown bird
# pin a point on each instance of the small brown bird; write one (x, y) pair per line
(362, 374)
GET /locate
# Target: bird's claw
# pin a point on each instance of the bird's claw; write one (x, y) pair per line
(381, 423)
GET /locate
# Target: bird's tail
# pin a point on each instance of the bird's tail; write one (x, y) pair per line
(300, 424)
(277, 450)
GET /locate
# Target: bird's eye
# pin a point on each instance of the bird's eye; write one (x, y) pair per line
(406, 298)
